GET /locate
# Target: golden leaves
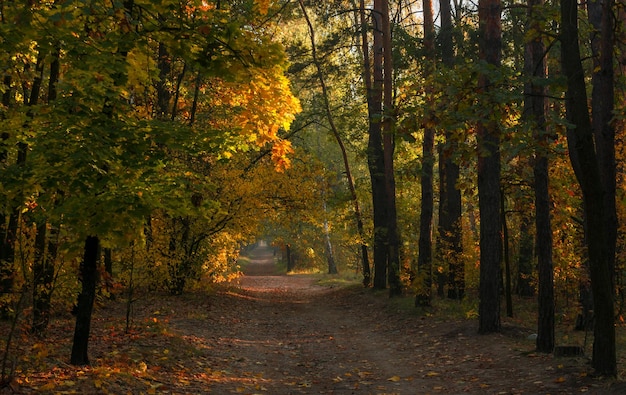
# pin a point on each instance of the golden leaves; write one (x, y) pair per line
(258, 109)
(263, 6)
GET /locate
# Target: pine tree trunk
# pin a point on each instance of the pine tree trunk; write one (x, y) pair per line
(388, 120)
(535, 108)
(588, 172)
(490, 46)
(450, 202)
(425, 242)
(602, 105)
(373, 76)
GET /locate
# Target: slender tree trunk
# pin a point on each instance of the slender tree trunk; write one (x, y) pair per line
(47, 239)
(508, 293)
(535, 109)
(290, 261)
(43, 279)
(490, 45)
(388, 120)
(342, 147)
(373, 77)
(450, 202)
(602, 105)
(330, 255)
(89, 266)
(525, 258)
(587, 168)
(86, 298)
(425, 242)
(7, 239)
(440, 248)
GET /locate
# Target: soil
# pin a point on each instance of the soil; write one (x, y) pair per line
(285, 334)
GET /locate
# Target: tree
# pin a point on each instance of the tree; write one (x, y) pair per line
(488, 130)
(388, 130)
(373, 80)
(344, 155)
(424, 260)
(450, 196)
(587, 167)
(535, 107)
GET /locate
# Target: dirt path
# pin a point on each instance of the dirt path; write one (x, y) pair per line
(278, 335)
(282, 334)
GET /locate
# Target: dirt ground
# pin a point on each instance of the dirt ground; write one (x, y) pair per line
(279, 334)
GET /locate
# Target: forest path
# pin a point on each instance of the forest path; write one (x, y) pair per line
(283, 334)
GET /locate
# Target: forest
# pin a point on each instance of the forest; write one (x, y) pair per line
(467, 151)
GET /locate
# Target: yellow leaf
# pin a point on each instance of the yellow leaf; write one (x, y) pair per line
(394, 379)
(560, 380)
(432, 374)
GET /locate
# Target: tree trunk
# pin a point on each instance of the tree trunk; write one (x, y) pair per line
(450, 202)
(330, 255)
(602, 105)
(586, 166)
(490, 45)
(344, 154)
(525, 258)
(424, 257)
(535, 109)
(86, 298)
(46, 242)
(507, 258)
(373, 77)
(290, 263)
(43, 279)
(388, 120)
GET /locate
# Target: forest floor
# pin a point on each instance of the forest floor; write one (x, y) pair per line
(285, 334)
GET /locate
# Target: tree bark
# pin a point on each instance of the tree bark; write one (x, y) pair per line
(388, 121)
(535, 109)
(450, 202)
(490, 45)
(86, 298)
(602, 104)
(373, 77)
(425, 242)
(508, 294)
(580, 138)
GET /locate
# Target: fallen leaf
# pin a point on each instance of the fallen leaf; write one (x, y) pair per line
(394, 379)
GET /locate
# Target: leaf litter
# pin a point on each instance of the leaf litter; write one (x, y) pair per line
(283, 334)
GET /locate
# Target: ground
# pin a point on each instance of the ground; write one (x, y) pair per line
(285, 334)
